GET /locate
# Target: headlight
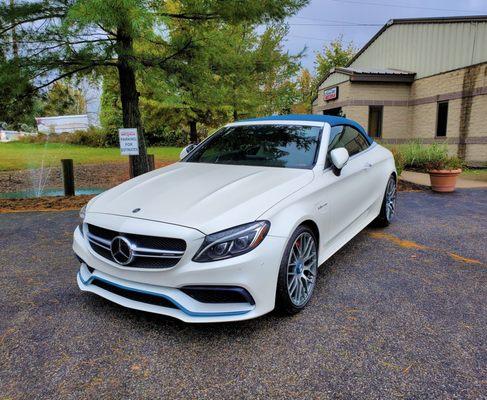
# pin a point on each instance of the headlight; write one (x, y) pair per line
(232, 242)
(82, 215)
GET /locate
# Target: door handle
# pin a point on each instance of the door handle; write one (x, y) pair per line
(367, 165)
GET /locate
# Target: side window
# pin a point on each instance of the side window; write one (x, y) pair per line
(348, 137)
(353, 141)
(335, 133)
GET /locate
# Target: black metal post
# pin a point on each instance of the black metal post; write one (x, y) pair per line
(68, 176)
(131, 168)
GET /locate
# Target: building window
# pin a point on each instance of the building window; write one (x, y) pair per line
(375, 121)
(441, 118)
(334, 111)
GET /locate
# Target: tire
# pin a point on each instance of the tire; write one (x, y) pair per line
(388, 207)
(300, 267)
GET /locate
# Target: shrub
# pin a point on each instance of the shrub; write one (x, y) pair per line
(39, 138)
(398, 160)
(448, 163)
(100, 137)
(93, 138)
(423, 158)
(417, 156)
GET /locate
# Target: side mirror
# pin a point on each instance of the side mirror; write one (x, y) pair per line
(339, 157)
(188, 149)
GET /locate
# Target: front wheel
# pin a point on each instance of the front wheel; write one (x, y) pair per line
(297, 274)
(388, 207)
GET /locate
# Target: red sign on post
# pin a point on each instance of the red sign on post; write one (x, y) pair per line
(331, 94)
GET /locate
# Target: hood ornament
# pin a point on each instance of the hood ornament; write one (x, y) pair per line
(121, 250)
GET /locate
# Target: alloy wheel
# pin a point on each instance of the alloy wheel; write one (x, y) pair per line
(391, 194)
(301, 269)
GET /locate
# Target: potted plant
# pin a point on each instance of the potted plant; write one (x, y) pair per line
(443, 173)
(433, 160)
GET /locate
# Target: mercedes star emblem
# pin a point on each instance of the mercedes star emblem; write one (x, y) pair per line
(121, 249)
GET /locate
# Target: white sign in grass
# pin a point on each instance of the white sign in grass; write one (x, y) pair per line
(129, 142)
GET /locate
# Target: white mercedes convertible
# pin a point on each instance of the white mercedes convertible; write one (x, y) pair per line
(241, 224)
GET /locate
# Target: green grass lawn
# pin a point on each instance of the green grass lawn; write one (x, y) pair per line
(15, 155)
(475, 174)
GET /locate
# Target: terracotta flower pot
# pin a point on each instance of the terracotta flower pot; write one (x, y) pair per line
(444, 180)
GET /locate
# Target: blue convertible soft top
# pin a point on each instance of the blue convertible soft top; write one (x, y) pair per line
(330, 119)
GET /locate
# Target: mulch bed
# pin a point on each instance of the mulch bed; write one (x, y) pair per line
(102, 176)
(52, 203)
(405, 186)
(85, 176)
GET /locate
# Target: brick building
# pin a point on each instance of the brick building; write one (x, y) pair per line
(418, 79)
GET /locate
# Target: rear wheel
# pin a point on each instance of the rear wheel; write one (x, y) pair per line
(297, 274)
(388, 207)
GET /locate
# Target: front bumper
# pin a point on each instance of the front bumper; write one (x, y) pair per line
(256, 272)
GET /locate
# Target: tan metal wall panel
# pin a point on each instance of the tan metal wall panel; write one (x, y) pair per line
(480, 53)
(334, 79)
(427, 49)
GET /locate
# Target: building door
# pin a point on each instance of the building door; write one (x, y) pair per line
(334, 111)
(375, 121)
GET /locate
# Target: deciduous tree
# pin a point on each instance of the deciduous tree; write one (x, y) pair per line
(63, 99)
(305, 91)
(335, 54)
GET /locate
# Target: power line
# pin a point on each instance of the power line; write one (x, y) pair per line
(328, 20)
(308, 38)
(338, 25)
(403, 6)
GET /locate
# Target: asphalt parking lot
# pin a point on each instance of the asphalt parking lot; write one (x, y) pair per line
(397, 313)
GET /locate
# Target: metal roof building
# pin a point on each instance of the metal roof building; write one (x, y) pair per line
(422, 79)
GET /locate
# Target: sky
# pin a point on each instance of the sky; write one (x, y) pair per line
(358, 20)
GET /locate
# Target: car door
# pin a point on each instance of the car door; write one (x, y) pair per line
(348, 194)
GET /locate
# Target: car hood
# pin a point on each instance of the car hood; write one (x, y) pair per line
(207, 197)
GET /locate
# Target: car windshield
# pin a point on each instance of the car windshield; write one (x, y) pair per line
(287, 146)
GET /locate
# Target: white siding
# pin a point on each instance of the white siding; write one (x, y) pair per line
(427, 49)
(62, 123)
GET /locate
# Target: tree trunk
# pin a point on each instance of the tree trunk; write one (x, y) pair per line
(193, 133)
(129, 97)
(15, 45)
(235, 112)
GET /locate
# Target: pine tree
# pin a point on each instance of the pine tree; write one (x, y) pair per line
(60, 38)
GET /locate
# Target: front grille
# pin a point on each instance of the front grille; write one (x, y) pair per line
(149, 251)
(140, 240)
(134, 295)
